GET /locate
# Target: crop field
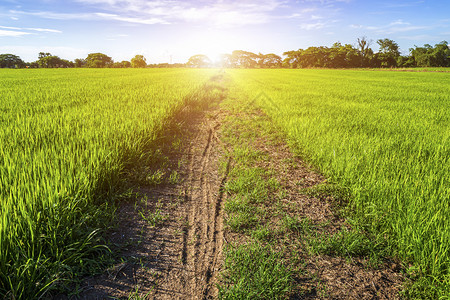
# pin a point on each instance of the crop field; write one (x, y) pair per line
(383, 136)
(66, 137)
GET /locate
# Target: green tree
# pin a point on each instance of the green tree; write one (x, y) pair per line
(428, 56)
(43, 54)
(270, 60)
(46, 60)
(125, 64)
(292, 59)
(199, 61)
(98, 60)
(11, 61)
(388, 54)
(244, 59)
(79, 62)
(225, 61)
(366, 53)
(138, 61)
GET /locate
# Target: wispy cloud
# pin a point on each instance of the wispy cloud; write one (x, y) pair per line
(89, 16)
(44, 30)
(148, 21)
(313, 26)
(210, 13)
(11, 33)
(403, 4)
(396, 26)
(17, 31)
(328, 2)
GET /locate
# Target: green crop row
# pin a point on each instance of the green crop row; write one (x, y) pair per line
(385, 136)
(66, 137)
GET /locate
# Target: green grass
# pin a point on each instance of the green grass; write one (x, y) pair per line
(384, 138)
(254, 271)
(66, 139)
(424, 69)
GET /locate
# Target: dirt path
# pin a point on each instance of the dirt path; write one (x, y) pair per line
(192, 269)
(172, 239)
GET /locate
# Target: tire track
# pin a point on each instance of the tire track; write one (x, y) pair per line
(201, 240)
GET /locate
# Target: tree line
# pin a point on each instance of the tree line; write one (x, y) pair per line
(93, 60)
(360, 55)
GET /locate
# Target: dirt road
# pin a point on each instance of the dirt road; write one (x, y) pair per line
(173, 237)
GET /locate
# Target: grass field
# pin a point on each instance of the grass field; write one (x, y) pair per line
(66, 137)
(384, 136)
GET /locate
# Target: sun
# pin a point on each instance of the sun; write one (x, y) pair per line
(214, 43)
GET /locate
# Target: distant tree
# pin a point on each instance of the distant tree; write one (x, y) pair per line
(270, 60)
(116, 65)
(125, 64)
(388, 53)
(67, 64)
(79, 62)
(46, 60)
(33, 65)
(11, 61)
(122, 64)
(292, 58)
(138, 61)
(428, 56)
(405, 61)
(244, 59)
(364, 50)
(225, 61)
(344, 56)
(43, 54)
(199, 61)
(98, 60)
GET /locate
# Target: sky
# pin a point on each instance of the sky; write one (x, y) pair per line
(173, 30)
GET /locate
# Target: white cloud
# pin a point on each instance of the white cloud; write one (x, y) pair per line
(86, 17)
(314, 17)
(9, 27)
(216, 13)
(12, 33)
(44, 30)
(318, 25)
(52, 15)
(31, 29)
(393, 27)
(208, 13)
(313, 26)
(403, 4)
(115, 17)
(399, 22)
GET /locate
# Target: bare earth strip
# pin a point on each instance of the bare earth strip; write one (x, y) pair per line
(179, 258)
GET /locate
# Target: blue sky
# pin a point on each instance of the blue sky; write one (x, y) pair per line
(174, 30)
